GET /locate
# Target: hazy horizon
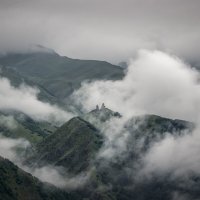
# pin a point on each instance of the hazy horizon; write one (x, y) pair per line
(113, 31)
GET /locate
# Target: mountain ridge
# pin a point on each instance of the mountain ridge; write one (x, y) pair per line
(60, 75)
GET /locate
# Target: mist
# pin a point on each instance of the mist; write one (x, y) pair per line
(15, 150)
(8, 122)
(159, 41)
(177, 156)
(155, 83)
(10, 148)
(25, 99)
(95, 29)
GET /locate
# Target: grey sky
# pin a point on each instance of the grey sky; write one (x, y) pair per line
(110, 30)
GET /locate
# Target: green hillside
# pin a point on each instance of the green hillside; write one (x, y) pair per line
(72, 146)
(75, 144)
(19, 125)
(16, 184)
(16, 79)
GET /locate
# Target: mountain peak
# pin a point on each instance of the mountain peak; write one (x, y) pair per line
(104, 112)
(100, 115)
(72, 146)
(37, 48)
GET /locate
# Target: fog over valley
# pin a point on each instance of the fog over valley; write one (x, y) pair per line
(99, 100)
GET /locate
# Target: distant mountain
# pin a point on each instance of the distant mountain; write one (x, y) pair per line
(16, 79)
(16, 184)
(60, 75)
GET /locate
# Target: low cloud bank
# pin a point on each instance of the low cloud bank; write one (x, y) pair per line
(155, 83)
(116, 138)
(58, 177)
(10, 148)
(13, 149)
(24, 99)
(177, 156)
(8, 122)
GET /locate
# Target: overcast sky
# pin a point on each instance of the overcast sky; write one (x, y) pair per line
(110, 30)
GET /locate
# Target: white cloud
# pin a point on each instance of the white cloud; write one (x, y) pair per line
(116, 138)
(13, 149)
(9, 148)
(177, 156)
(155, 83)
(24, 99)
(96, 29)
(58, 176)
(8, 122)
